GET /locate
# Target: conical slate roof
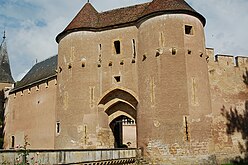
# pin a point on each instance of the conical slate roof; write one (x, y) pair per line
(89, 19)
(5, 73)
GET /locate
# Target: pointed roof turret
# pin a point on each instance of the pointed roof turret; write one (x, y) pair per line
(5, 72)
(87, 17)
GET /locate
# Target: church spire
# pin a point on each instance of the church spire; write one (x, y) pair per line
(5, 72)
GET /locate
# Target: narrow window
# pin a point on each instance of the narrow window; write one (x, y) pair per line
(134, 50)
(117, 78)
(188, 30)
(85, 134)
(69, 66)
(12, 141)
(186, 128)
(46, 84)
(236, 62)
(100, 55)
(58, 127)
(117, 45)
(83, 64)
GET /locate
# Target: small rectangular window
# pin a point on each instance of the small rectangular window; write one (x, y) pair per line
(188, 30)
(117, 46)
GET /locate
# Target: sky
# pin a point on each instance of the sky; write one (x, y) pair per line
(32, 25)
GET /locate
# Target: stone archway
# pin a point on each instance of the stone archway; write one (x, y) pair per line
(124, 131)
(120, 106)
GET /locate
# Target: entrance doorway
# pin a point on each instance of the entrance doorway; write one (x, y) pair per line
(120, 106)
(124, 131)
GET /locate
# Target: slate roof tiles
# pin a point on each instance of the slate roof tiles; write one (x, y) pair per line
(39, 72)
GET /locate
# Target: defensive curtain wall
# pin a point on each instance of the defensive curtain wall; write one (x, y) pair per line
(228, 77)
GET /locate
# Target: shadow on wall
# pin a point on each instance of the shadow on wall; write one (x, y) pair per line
(238, 122)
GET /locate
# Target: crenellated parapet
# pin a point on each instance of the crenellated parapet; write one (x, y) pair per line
(227, 59)
(36, 87)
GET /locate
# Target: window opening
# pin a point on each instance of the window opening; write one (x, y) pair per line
(100, 55)
(58, 127)
(117, 78)
(189, 51)
(134, 50)
(12, 141)
(60, 69)
(174, 51)
(186, 129)
(188, 30)
(144, 57)
(236, 62)
(117, 45)
(85, 134)
(110, 63)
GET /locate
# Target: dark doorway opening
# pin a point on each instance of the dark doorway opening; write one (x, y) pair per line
(120, 126)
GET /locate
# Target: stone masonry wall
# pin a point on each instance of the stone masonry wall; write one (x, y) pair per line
(229, 94)
(31, 113)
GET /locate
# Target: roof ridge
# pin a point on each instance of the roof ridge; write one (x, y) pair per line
(46, 59)
(132, 6)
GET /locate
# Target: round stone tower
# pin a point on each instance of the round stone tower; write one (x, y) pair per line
(174, 110)
(97, 81)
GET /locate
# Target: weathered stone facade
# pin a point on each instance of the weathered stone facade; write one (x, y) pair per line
(146, 64)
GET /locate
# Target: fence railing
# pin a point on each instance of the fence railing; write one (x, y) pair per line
(70, 156)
